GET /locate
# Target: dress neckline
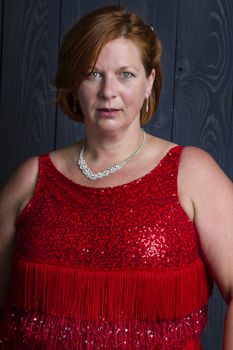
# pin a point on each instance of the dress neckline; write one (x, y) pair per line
(111, 188)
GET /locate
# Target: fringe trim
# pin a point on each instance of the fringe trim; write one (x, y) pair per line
(82, 293)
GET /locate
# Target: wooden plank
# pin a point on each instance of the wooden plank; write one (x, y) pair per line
(1, 31)
(30, 42)
(1, 43)
(203, 95)
(162, 15)
(203, 100)
(68, 131)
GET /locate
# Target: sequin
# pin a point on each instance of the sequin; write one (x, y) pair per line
(127, 335)
(139, 226)
(79, 217)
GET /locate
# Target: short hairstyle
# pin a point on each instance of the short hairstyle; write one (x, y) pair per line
(81, 47)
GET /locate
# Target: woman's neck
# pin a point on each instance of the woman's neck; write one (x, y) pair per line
(112, 148)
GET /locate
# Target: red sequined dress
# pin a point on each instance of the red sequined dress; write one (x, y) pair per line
(107, 268)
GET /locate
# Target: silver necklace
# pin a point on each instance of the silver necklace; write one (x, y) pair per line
(94, 176)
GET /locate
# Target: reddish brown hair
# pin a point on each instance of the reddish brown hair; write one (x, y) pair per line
(81, 47)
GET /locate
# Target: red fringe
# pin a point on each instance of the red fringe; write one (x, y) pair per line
(111, 294)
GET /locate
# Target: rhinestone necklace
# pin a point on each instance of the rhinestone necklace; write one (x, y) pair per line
(94, 176)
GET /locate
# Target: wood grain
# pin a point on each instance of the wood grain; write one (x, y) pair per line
(1, 33)
(204, 69)
(203, 100)
(30, 46)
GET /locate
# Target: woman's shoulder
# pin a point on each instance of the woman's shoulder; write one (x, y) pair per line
(189, 154)
(159, 144)
(197, 161)
(18, 190)
(24, 175)
(159, 148)
(20, 185)
(63, 158)
(197, 168)
(196, 153)
(200, 173)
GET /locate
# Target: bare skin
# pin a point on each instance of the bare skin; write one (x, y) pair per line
(13, 198)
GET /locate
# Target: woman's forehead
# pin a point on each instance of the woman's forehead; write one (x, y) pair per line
(120, 51)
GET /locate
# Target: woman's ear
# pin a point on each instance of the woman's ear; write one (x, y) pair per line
(150, 82)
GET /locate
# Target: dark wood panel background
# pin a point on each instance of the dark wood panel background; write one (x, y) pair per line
(197, 96)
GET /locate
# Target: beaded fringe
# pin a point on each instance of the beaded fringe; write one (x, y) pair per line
(37, 331)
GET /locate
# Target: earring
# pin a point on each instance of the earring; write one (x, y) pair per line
(147, 103)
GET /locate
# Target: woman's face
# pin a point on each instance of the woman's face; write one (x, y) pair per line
(112, 94)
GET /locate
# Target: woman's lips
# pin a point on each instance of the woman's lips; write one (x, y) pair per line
(108, 111)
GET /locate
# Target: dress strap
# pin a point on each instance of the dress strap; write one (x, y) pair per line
(169, 167)
(176, 152)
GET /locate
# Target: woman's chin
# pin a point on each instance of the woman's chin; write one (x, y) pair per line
(109, 125)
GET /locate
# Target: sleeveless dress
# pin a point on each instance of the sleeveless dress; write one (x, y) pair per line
(107, 268)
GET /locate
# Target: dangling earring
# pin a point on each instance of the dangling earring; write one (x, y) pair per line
(147, 103)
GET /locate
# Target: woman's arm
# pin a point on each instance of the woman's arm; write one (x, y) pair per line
(13, 198)
(211, 195)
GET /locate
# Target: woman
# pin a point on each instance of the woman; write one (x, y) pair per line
(113, 234)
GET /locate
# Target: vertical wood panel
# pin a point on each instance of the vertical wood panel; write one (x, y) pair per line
(1, 48)
(67, 130)
(30, 40)
(203, 96)
(203, 100)
(162, 15)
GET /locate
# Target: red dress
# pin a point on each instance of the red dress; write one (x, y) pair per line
(107, 268)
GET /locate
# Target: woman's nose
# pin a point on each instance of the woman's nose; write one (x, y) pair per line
(108, 87)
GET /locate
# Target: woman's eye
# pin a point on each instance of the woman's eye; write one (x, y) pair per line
(126, 75)
(94, 75)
